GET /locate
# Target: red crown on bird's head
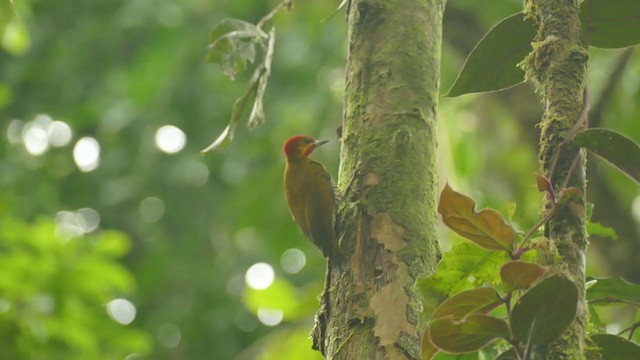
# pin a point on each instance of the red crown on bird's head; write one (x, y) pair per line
(297, 143)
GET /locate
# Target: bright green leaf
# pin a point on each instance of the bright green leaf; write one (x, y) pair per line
(545, 311)
(465, 267)
(493, 63)
(613, 147)
(597, 229)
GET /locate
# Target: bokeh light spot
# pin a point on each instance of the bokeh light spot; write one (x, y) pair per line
(35, 139)
(169, 335)
(86, 154)
(72, 224)
(292, 261)
(14, 131)
(170, 139)
(59, 133)
(270, 317)
(259, 276)
(151, 209)
(122, 311)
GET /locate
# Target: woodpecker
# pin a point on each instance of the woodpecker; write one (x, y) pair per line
(310, 195)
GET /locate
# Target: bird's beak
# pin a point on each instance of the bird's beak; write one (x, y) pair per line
(319, 143)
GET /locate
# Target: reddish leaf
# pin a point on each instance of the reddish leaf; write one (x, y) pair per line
(486, 228)
(468, 302)
(518, 275)
(473, 333)
(428, 349)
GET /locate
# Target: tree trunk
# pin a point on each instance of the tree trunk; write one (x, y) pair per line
(559, 63)
(388, 180)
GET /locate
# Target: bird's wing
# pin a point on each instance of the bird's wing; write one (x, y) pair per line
(319, 212)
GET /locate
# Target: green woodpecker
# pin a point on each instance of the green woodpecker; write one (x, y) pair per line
(310, 195)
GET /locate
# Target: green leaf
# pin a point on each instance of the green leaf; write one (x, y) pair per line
(468, 302)
(465, 267)
(597, 229)
(254, 93)
(508, 355)
(613, 291)
(613, 147)
(518, 275)
(469, 356)
(467, 335)
(493, 64)
(232, 45)
(545, 311)
(613, 347)
(610, 24)
(486, 228)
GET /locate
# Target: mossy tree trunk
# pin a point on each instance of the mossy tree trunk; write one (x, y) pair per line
(388, 180)
(558, 64)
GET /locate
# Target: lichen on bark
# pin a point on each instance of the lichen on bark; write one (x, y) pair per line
(388, 223)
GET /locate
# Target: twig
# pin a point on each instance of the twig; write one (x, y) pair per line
(270, 15)
(631, 329)
(532, 231)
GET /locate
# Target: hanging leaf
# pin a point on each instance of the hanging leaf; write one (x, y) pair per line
(613, 347)
(468, 302)
(613, 291)
(256, 118)
(545, 311)
(519, 275)
(254, 93)
(470, 334)
(613, 147)
(610, 24)
(486, 228)
(233, 44)
(493, 64)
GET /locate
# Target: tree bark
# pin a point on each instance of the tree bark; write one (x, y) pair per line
(388, 180)
(558, 63)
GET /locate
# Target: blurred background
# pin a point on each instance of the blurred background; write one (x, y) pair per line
(118, 240)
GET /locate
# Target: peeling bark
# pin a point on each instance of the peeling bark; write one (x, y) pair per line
(388, 222)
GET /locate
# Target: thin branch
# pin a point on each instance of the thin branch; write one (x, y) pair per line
(532, 231)
(631, 329)
(270, 15)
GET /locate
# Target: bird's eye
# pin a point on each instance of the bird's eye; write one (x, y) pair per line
(308, 140)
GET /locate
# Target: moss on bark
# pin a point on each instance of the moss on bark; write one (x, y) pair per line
(558, 65)
(388, 180)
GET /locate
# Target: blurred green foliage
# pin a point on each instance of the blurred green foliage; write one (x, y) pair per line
(117, 71)
(55, 292)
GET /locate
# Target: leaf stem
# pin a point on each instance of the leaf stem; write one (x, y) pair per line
(270, 15)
